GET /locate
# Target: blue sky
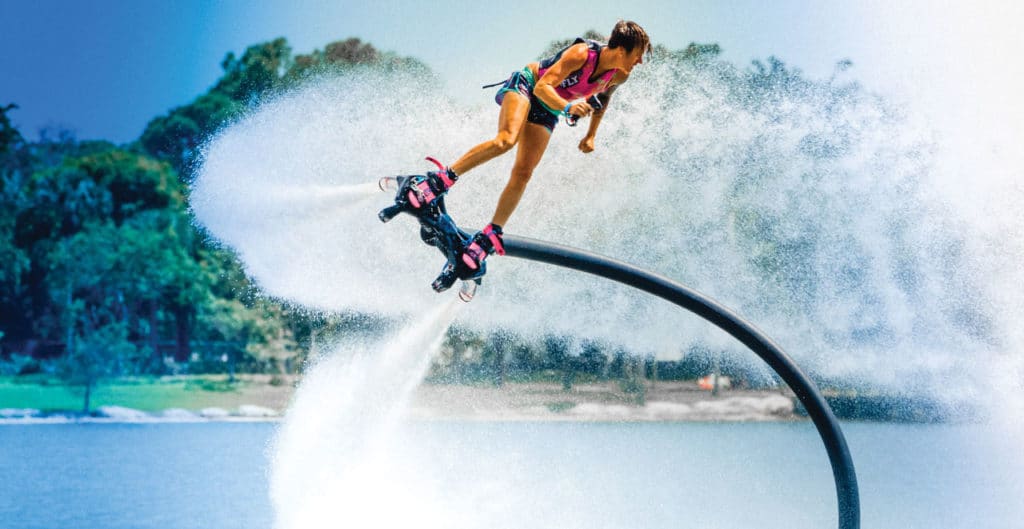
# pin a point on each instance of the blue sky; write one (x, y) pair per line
(103, 68)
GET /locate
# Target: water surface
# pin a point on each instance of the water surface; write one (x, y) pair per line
(109, 476)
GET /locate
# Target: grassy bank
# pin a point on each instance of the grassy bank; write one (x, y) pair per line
(148, 393)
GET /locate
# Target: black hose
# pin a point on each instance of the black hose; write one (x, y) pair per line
(805, 390)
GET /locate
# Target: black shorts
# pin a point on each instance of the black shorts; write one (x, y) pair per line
(523, 83)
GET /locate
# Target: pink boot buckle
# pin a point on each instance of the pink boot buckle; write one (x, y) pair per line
(495, 239)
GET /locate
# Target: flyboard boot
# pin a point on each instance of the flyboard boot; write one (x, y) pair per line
(422, 196)
(469, 263)
(418, 195)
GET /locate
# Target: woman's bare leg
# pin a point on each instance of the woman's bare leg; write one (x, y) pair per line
(533, 141)
(514, 109)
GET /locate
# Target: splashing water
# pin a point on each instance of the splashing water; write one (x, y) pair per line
(335, 453)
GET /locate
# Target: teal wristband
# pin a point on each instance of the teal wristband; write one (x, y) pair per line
(566, 109)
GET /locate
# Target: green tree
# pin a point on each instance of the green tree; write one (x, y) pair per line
(340, 55)
(162, 279)
(113, 184)
(94, 357)
(178, 136)
(10, 136)
(557, 348)
(255, 329)
(87, 279)
(107, 225)
(14, 261)
(263, 70)
(256, 73)
(461, 344)
(126, 275)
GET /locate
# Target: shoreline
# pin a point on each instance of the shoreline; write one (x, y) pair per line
(670, 401)
(599, 402)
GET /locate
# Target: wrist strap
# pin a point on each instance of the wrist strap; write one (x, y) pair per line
(566, 109)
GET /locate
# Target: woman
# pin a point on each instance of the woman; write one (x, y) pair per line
(578, 81)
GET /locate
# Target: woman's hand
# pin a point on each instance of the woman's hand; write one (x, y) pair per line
(581, 109)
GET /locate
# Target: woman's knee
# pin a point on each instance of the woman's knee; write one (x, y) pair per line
(504, 141)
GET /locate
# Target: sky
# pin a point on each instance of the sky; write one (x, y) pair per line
(104, 68)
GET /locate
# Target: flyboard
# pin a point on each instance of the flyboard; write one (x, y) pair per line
(437, 229)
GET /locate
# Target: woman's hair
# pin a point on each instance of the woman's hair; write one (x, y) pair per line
(629, 35)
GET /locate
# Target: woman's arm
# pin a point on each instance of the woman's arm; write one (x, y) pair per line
(587, 143)
(572, 59)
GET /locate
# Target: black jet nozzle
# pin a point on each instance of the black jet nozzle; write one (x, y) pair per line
(389, 212)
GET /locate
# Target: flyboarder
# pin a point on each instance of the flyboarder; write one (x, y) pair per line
(576, 82)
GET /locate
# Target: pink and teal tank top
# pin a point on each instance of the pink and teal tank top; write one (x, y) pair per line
(578, 84)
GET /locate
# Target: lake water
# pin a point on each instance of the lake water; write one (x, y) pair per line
(748, 475)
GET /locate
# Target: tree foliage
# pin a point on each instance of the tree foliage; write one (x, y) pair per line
(341, 55)
(100, 262)
(96, 356)
(10, 136)
(263, 70)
